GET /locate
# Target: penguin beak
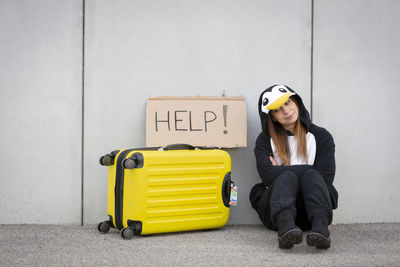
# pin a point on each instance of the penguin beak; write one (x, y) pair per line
(279, 101)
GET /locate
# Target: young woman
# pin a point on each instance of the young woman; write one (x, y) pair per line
(296, 163)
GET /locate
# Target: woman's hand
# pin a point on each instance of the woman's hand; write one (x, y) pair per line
(273, 161)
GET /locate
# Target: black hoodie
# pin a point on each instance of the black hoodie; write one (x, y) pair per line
(324, 161)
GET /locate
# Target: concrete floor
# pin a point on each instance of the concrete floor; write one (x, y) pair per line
(250, 245)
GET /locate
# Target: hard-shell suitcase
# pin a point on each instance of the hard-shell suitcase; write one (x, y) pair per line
(178, 188)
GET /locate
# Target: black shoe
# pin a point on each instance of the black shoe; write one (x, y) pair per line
(319, 234)
(318, 240)
(288, 233)
(290, 238)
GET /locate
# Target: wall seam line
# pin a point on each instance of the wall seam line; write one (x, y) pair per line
(83, 113)
(312, 63)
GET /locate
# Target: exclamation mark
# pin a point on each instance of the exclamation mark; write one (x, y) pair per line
(225, 113)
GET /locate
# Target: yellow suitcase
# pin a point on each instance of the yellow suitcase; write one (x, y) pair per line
(177, 188)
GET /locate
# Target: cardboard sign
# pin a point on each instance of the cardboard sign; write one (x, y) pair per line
(198, 121)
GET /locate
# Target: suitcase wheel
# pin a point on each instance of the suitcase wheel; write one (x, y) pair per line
(127, 233)
(129, 163)
(103, 227)
(106, 160)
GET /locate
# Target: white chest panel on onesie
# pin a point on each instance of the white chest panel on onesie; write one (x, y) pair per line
(294, 159)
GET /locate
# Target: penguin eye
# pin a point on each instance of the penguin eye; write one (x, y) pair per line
(282, 90)
(265, 102)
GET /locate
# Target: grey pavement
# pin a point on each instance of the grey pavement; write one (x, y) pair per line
(233, 245)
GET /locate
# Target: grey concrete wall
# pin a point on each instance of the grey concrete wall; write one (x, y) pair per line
(139, 49)
(185, 48)
(40, 111)
(356, 96)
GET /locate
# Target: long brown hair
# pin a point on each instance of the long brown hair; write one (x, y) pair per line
(280, 138)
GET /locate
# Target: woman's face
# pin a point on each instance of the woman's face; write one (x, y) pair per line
(287, 115)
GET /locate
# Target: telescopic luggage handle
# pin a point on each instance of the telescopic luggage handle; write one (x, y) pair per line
(178, 146)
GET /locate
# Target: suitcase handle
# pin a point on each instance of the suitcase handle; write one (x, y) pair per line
(226, 189)
(178, 146)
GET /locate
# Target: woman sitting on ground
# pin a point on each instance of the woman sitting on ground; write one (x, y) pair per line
(296, 163)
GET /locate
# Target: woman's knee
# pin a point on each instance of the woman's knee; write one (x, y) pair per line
(313, 179)
(286, 178)
(312, 175)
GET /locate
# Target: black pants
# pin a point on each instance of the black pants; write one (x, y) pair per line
(305, 197)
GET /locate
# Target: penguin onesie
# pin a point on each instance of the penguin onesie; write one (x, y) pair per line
(298, 196)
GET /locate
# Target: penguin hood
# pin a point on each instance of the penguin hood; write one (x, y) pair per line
(273, 98)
